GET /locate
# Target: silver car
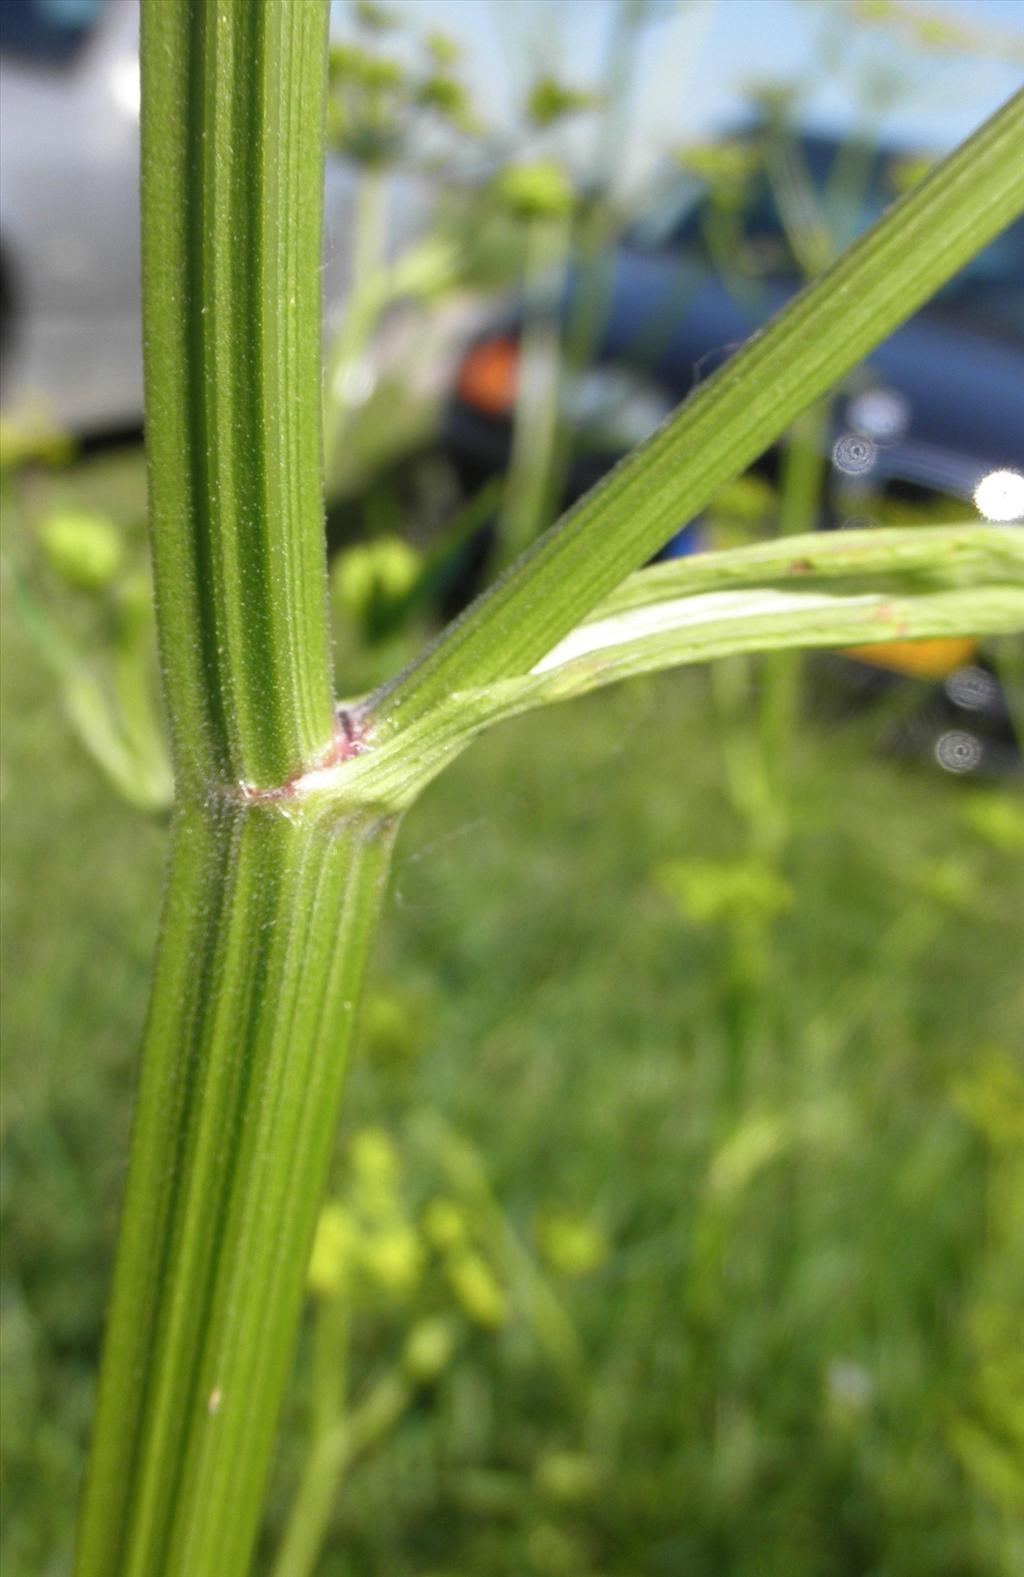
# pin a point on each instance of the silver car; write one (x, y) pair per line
(69, 247)
(69, 214)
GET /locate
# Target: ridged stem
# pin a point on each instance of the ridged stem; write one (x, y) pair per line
(232, 176)
(268, 921)
(271, 901)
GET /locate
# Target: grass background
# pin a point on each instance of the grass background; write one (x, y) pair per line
(800, 1342)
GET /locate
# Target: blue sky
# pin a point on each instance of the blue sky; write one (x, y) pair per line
(696, 59)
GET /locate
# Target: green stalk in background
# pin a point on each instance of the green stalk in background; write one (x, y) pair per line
(368, 293)
(284, 819)
(803, 476)
(802, 483)
(527, 501)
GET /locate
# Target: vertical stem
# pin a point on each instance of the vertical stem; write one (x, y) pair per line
(272, 899)
(527, 498)
(801, 496)
(232, 173)
(331, 1457)
(266, 930)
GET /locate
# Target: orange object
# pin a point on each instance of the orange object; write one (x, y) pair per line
(489, 375)
(932, 659)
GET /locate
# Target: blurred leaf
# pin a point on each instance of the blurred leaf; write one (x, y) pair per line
(766, 1137)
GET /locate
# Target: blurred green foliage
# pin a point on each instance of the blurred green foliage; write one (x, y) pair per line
(703, 1269)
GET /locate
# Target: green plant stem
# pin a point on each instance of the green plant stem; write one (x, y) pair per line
(232, 173)
(271, 900)
(729, 421)
(1008, 657)
(801, 498)
(829, 589)
(747, 779)
(269, 918)
(328, 1378)
(330, 1459)
(531, 1291)
(329, 1440)
(528, 484)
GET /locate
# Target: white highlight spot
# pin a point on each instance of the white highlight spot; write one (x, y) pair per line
(972, 688)
(124, 85)
(854, 454)
(685, 613)
(880, 415)
(1000, 496)
(213, 1403)
(958, 751)
(353, 384)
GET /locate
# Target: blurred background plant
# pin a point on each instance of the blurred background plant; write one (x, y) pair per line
(423, 1281)
(80, 583)
(680, 1225)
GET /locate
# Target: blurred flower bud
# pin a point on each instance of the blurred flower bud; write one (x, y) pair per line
(375, 1176)
(550, 100)
(446, 96)
(535, 191)
(428, 1349)
(333, 1250)
(443, 49)
(476, 1289)
(30, 438)
(372, 1155)
(570, 1245)
(371, 14)
(445, 1226)
(567, 1477)
(711, 891)
(82, 548)
(372, 576)
(392, 1259)
(874, 10)
(725, 167)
